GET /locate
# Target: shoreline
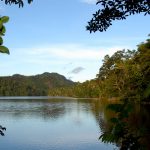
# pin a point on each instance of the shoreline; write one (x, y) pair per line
(42, 97)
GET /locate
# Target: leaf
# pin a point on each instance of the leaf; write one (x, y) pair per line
(1, 24)
(1, 41)
(115, 107)
(3, 30)
(5, 19)
(4, 49)
(107, 137)
(147, 92)
(114, 120)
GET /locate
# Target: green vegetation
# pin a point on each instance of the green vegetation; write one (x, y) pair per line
(126, 125)
(126, 74)
(88, 89)
(39, 85)
(3, 20)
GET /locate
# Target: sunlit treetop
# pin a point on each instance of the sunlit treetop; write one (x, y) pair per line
(16, 2)
(116, 10)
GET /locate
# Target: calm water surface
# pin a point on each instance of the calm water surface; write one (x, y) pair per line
(51, 124)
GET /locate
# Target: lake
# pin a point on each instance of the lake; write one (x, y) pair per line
(46, 123)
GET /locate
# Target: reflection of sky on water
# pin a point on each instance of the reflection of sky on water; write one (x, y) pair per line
(49, 125)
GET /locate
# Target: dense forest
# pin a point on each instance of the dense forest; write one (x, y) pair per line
(124, 74)
(38, 85)
(87, 89)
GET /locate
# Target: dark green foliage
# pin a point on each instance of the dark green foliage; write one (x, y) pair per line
(126, 74)
(115, 107)
(3, 20)
(4, 49)
(127, 132)
(123, 130)
(87, 89)
(2, 129)
(116, 10)
(16, 2)
(18, 85)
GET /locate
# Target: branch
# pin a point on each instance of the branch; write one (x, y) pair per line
(116, 10)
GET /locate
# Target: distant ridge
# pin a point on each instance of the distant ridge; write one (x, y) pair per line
(34, 85)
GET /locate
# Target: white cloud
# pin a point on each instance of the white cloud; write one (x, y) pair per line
(60, 58)
(65, 51)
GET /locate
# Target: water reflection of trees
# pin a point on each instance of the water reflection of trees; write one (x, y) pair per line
(39, 109)
(2, 129)
(128, 128)
(126, 125)
(54, 112)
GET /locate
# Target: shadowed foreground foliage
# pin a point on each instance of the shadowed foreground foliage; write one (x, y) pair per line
(116, 10)
(128, 129)
(17, 2)
(2, 129)
(126, 74)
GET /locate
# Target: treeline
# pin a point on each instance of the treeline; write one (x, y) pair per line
(38, 85)
(125, 74)
(88, 89)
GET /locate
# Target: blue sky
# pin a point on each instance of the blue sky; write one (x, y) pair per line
(50, 36)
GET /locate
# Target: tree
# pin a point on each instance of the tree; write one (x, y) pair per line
(116, 10)
(126, 74)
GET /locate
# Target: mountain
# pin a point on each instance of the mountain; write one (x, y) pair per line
(37, 85)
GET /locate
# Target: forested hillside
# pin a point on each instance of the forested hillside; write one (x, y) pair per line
(19, 85)
(125, 74)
